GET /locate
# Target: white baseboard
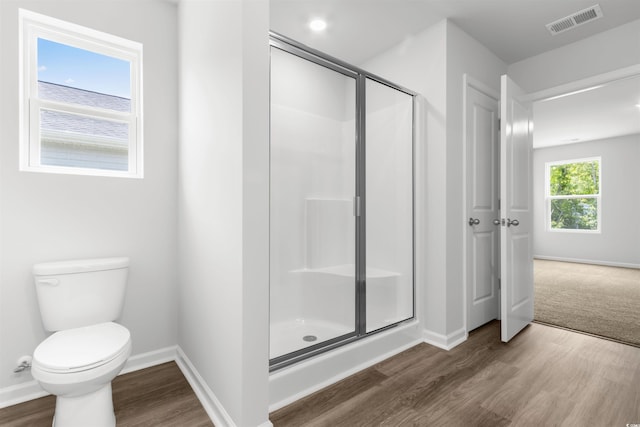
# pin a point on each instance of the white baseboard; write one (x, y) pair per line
(445, 342)
(588, 261)
(30, 390)
(219, 416)
(150, 358)
(20, 393)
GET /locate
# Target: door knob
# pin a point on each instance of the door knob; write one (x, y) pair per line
(515, 222)
(474, 221)
(496, 222)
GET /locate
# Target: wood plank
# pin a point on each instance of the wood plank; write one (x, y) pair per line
(544, 376)
(37, 412)
(310, 408)
(158, 396)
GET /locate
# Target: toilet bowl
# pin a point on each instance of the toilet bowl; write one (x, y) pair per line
(77, 365)
(79, 301)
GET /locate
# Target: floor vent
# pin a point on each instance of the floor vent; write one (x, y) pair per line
(582, 17)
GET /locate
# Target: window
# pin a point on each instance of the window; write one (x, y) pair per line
(81, 93)
(573, 195)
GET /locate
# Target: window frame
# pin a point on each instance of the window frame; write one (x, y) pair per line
(33, 26)
(549, 197)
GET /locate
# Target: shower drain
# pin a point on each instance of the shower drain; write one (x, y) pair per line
(309, 338)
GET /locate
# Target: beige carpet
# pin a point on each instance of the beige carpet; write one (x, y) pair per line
(596, 299)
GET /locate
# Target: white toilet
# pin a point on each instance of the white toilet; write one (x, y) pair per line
(80, 300)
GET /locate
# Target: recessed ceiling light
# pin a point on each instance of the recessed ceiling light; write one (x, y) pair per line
(318, 25)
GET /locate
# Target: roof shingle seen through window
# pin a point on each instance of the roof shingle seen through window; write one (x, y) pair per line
(81, 125)
(56, 92)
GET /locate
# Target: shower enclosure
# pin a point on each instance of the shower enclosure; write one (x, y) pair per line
(341, 203)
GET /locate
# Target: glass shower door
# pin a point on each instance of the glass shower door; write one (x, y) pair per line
(389, 205)
(312, 223)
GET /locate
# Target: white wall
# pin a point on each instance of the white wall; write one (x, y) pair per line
(607, 51)
(48, 217)
(433, 63)
(223, 203)
(618, 243)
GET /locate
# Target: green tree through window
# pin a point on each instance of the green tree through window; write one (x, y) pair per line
(574, 195)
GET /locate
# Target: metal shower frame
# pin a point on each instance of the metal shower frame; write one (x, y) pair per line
(360, 76)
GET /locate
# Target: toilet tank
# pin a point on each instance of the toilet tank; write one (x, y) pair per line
(79, 293)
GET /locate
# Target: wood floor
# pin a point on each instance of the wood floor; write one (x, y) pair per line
(159, 396)
(544, 377)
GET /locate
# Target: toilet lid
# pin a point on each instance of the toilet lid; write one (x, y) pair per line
(82, 348)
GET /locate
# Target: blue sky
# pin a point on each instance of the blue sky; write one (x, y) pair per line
(82, 69)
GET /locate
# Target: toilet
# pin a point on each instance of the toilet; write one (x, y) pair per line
(79, 301)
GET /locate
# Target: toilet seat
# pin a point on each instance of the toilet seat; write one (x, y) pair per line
(81, 349)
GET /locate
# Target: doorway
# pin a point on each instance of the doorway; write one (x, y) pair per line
(587, 240)
(498, 242)
(482, 183)
(485, 272)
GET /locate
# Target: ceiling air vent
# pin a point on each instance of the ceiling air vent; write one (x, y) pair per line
(582, 17)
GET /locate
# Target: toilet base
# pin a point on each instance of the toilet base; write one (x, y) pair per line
(93, 409)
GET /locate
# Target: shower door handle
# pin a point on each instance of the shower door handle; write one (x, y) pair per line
(356, 206)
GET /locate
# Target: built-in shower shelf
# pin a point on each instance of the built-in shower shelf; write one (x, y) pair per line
(348, 270)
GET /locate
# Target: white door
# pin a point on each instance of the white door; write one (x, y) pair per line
(482, 187)
(516, 259)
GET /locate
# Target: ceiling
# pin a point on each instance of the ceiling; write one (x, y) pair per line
(603, 112)
(512, 29)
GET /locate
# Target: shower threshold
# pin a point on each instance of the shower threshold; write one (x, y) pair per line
(292, 335)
